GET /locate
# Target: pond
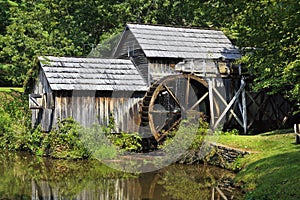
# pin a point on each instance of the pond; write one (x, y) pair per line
(23, 176)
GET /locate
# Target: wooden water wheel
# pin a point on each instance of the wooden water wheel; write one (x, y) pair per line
(172, 99)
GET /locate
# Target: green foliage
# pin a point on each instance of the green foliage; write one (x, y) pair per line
(14, 121)
(189, 135)
(272, 27)
(127, 141)
(16, 133)
(15, 126)
(73, 28)
(96, 140)
(32, 31)
(64, 141)
(124, 141)
(230, 132)
(67, 140)
(202, 131)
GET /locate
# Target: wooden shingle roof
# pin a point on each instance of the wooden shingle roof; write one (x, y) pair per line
(65, 73)
(188, 43)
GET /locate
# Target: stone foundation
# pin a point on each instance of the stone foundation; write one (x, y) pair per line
(214, 154)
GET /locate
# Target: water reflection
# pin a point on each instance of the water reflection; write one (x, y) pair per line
(26, 177)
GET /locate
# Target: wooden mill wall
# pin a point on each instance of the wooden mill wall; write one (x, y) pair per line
(130, 49)
(90, 107)
(151, 69)
(42, 115)
(267, 112)
(141, 63)
(86, 107)
(160, 67)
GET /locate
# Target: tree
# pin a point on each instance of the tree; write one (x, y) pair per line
(272, 29)
(51, 27)
(33, 31)
(72, 28)
(269, 33)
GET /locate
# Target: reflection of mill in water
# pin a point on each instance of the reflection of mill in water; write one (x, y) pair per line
(174, 182)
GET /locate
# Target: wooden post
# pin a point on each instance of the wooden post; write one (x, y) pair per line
(297, 132)
(244, 106)
(148, 75)
(187, 92)
(211, 102)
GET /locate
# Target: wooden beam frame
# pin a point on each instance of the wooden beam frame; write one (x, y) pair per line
(229, 105)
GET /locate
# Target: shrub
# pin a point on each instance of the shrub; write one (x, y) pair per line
(128, 141)
(64, 141)
(96, 140)
(188, 129)
(14, 121)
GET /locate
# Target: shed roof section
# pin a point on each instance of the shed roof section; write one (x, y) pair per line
(170, 42)
(64, 73)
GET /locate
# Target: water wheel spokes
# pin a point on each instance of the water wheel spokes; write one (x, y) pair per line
(171, 100)
(199, 101)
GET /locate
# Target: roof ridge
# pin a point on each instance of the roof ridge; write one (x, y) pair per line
(173, 27)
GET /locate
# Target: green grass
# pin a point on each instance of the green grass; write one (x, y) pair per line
(272, 170)
(11, 89)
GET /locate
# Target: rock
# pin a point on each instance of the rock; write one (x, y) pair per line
(214, 154)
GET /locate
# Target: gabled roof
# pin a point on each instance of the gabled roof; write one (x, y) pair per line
(64, 73)
(187, 43)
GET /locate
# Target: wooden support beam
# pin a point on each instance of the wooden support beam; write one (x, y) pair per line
(231, 113)
(253, 101)
(216, 107)
(231, 110)
(244, 107)
(187, 92)
(221, 193)
(211, 104)
(199, 101)
(229, 105)
(297, 132)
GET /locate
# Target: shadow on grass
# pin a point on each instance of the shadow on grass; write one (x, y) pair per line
(275, 177)
(278, 132)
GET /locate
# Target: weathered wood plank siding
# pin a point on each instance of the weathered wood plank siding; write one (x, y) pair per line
(128, 46)
(142, 65)
(162, 67)
(88, 109)
(130, 49)
(43, 115)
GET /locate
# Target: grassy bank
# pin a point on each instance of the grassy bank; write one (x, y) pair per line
(11, 89)
(272, 171)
